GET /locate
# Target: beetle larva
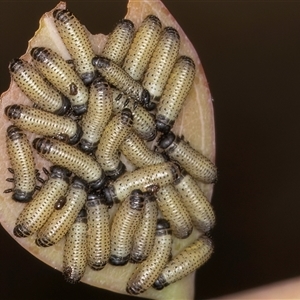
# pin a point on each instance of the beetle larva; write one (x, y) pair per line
(62, 76)
(97, 115)
(75, 249)
(161, 62)
(138, 153)
(98, 238)
(64, 215)
(175, 92)
(22, 162)
(191, 160)
(116, 76)
(125, 223)
(77, 42)
(119, 41)
(148, 271)
(145, 179)
(113, 135)
(172, 208)
(71, 158)
(44, 123)
(36, 212)
(36, 88)
(200, 210)
(186, 262)
(144, 236)
(142, 47)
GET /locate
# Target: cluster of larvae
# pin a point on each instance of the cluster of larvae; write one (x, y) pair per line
(85, 113)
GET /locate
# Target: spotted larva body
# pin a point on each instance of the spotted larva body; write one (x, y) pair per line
(191, 160)
(200, 210)
(138, 153)
(142, 47)
(172, 208)
(186, 262)
(75, 249)
(22, 162)
(119, 41)
(148, 178)
(125, 223)
(63, 217)
(97, 116)
(71, 158)
(175, 92)
(62, 76)
(76, 40)
(147, 272)
(113, 135)
(36, 88)
(144, 236)
(44, 123)
(162, 62)
(36, 212)
(98, 238)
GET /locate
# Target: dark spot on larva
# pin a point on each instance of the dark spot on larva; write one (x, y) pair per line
(59, 204)
(73, 89)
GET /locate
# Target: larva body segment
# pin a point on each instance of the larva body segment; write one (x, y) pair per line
(36, 212)
(22, 162)
(191, 160)
(62, 218)
(175, 92)
(44, 123)
(62, 76)
(73, 159)
(37, 89)
(97, 115)
(173, 210)
(144, 236)
(76, 40)
(125, 223)
(142, 47)
(119, 41)
(147, 272)
(98, 237)
(75, 249)
(200, 210)
(186, 262)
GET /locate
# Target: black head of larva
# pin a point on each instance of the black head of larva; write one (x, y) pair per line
(94, 199)
(137, 200)
(145, 100)
(166, 140)
(13, 111)
(163, 124)
(110, 196)
(119, 261)
(62, 15)
(39, 53)
(100, 62)
(163, 227)
(79, 109)
(42, 145)
(21, 231)
(21, 196)
(65, 106)
(126, 115)
(98, 184)
(114, 174)
(15, 64)
(14, 132)
(87, 146)
(160, 283)
(154, 19)
(88, 77)
(172, 31)
(79, 183)
(129, 24)
(60, 172)
(76, 137)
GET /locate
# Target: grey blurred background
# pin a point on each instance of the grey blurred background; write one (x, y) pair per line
(250, 54)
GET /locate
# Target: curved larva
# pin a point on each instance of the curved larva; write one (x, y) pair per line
(63, 217)
(171, 206)
(144, 236)
(98, 238)
(62, 76)
(200, 210)
(175, 92)
(186, 262)
(44, 123)
(71, 158)
(36, 212)
(148, 178)
(119, 41)
(36, 88)
(142, 47)
(147, 272)
(22, 162)
(116, 76)
(97, 115)
(138, 153)
(113, 135)
(76, 40)
(162, 62)
(191, 160)
(75, 249)
(125, 223)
